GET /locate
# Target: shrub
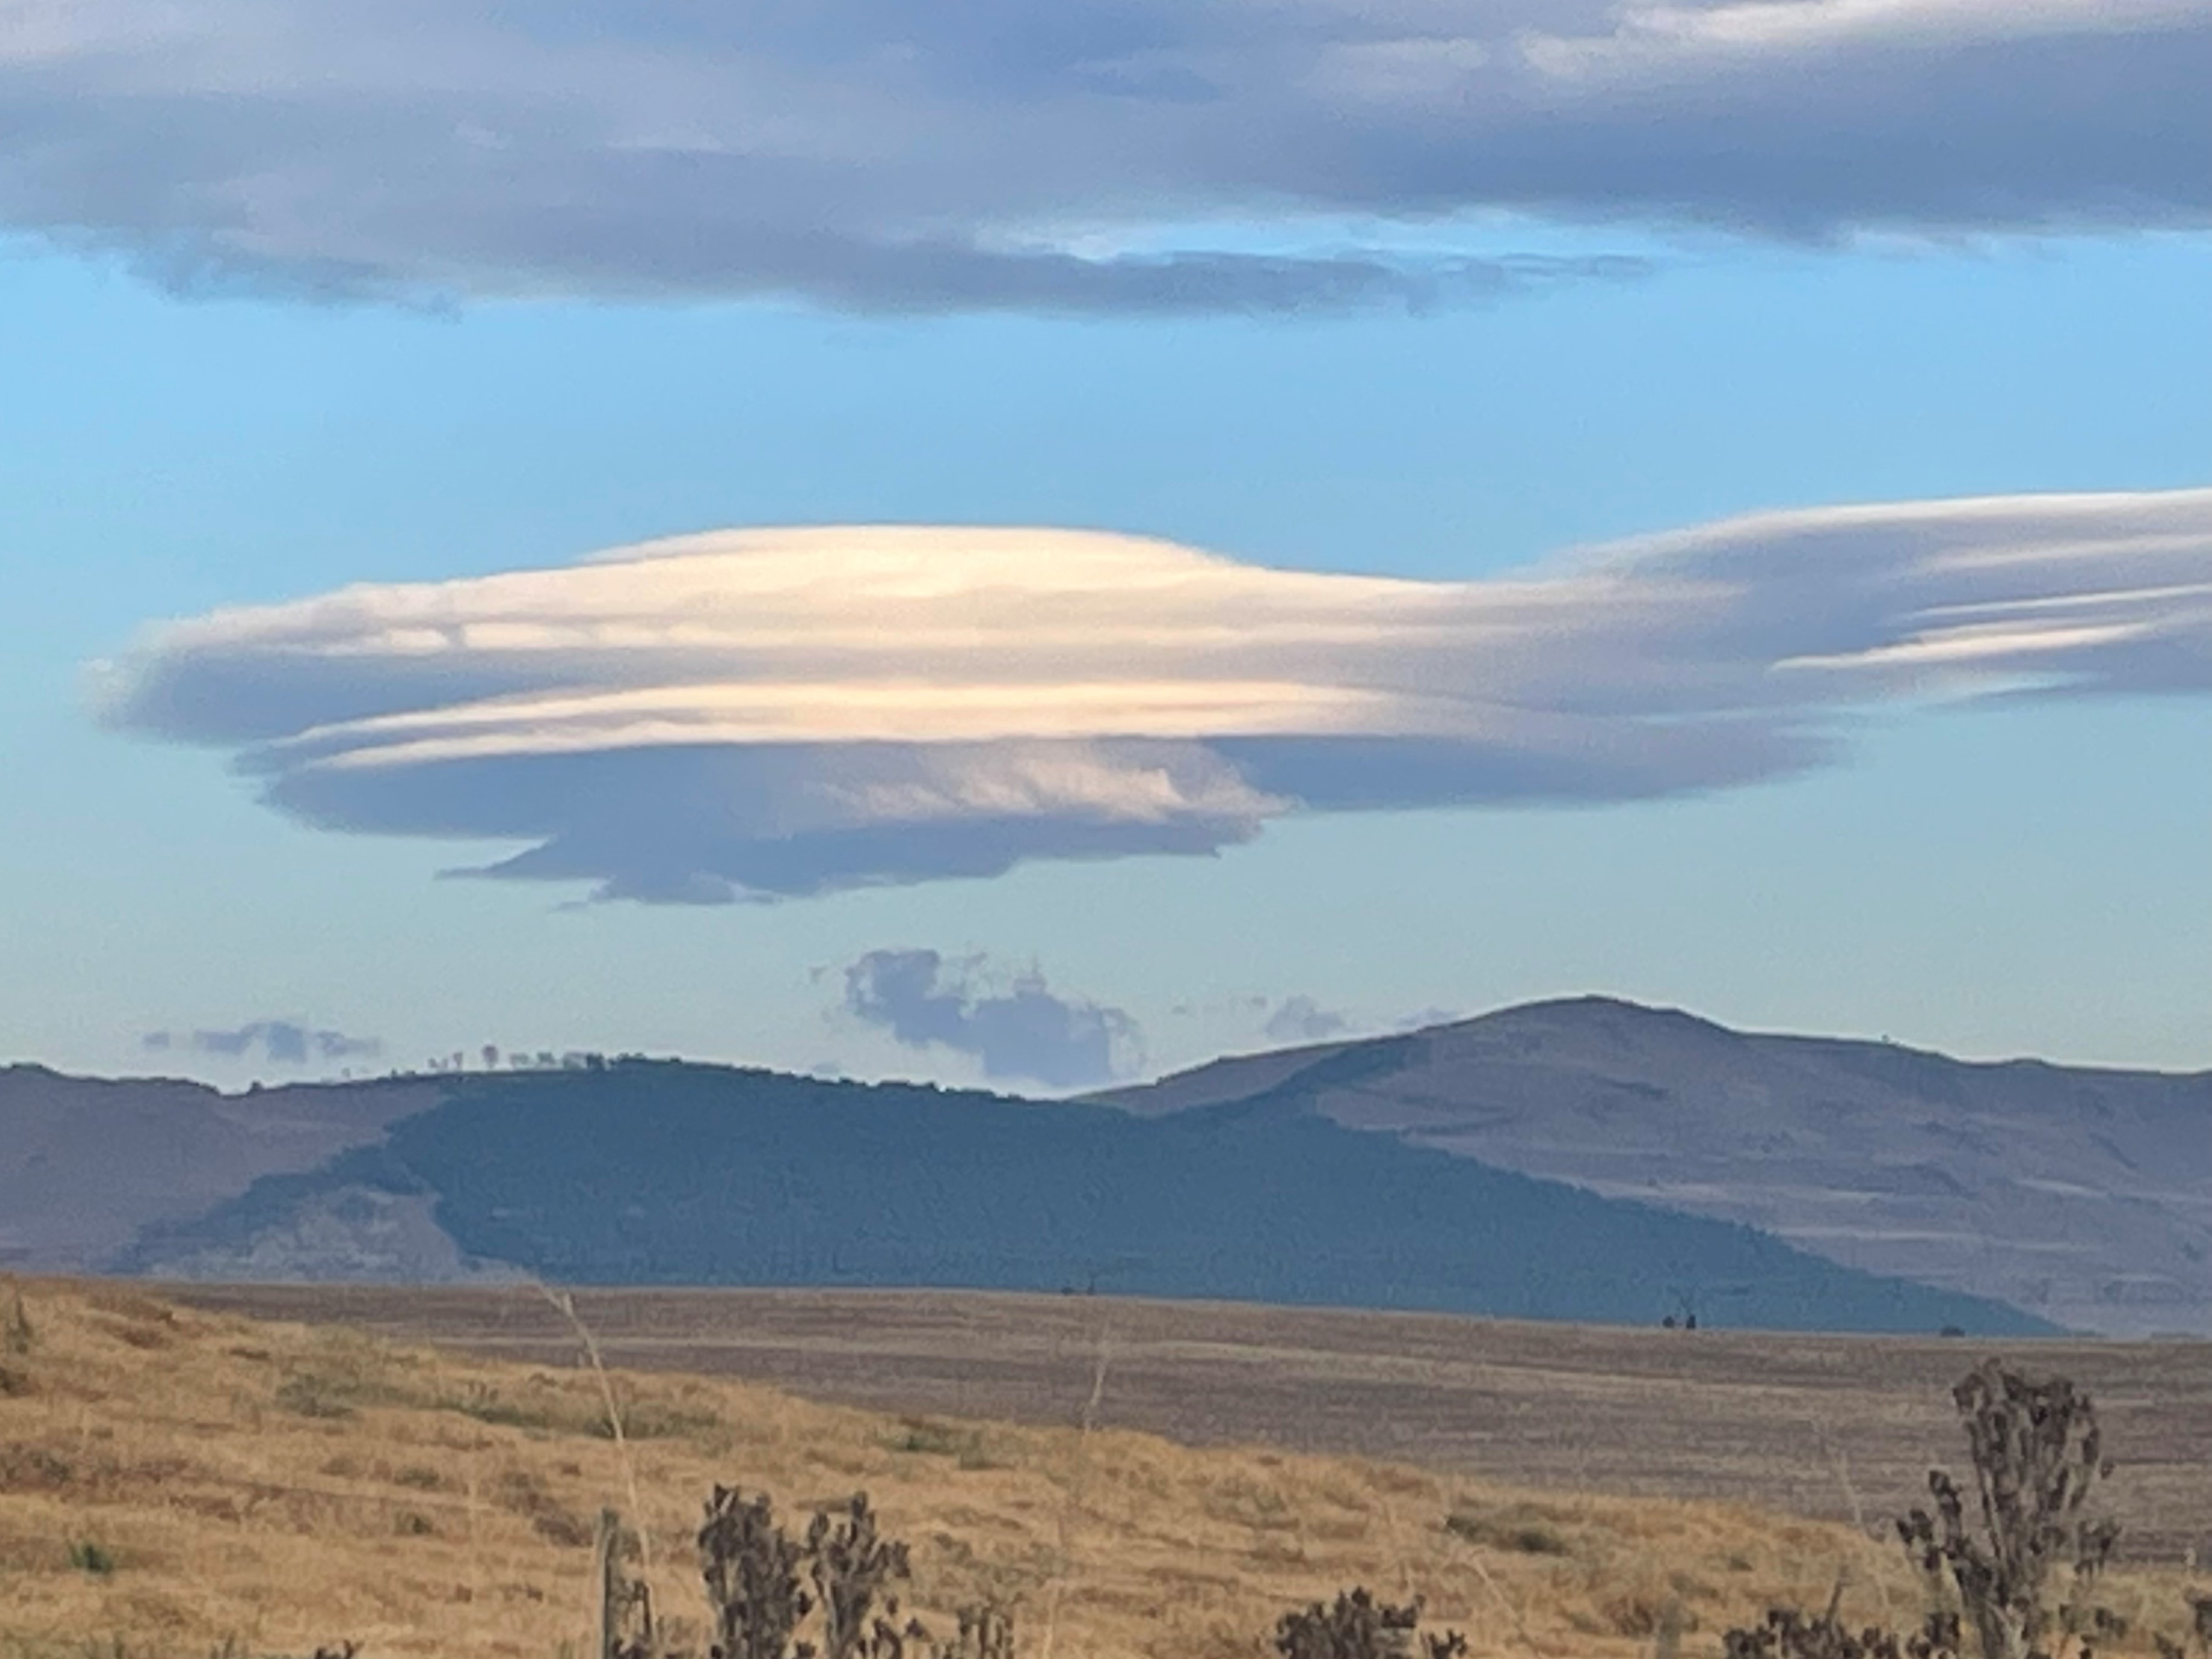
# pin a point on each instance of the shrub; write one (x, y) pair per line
(2199, 1639)
(312, 1395)
(1357, 1626)
(97, 1559)
(2020, 1569)
(1516, 1529)
(1788, 1634)
(751, 1567)
(987, 1631)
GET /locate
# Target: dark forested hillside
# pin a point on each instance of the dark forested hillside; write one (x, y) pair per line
(669, 1173)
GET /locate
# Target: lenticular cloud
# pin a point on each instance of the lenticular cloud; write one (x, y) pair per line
(758, 714)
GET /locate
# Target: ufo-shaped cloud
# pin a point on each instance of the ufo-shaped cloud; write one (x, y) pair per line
(769, 712)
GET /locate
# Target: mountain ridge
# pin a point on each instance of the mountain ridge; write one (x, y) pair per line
(2082, 1195)
(2081, 1192)
(670, 1173)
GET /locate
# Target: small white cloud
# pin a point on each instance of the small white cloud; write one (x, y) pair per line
(279, 1041)
(758, 714)
(1300, 1019)
(1021, 1032)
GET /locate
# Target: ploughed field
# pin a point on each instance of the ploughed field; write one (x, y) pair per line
(1838, 1428)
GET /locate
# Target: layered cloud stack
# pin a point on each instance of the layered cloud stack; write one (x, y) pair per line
(767, 713)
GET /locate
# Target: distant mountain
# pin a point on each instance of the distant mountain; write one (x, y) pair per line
(661, 1172)
(2082, 1195)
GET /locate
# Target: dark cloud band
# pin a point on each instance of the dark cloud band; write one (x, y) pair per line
(997, 153)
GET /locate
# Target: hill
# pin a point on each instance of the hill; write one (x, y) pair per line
(2080, 1194)
(85, 1162)
(665, 1173)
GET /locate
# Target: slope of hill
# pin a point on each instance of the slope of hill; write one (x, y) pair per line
(85, 1162)
(2082, 1194)
(660, 1172)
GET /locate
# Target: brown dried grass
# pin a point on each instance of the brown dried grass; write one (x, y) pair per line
(280, 1486)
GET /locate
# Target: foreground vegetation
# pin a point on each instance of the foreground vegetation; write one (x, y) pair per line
(172, 1482)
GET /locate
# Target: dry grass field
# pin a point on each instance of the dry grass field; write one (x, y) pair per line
(1838, 1428)
(178, 1481)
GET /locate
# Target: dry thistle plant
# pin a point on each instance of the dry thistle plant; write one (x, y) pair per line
(987, 1631)
(1789, 1634)
(2020, 1570)
(751, 1569)
(1357, 1626)
(2024, 1566)
(854, 1566)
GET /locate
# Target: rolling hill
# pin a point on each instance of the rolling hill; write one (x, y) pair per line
(663, 1172)
(1584, 1159)
(2082, 1194)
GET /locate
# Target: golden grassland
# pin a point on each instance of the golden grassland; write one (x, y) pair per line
(1837, 1427)
(174, 1481)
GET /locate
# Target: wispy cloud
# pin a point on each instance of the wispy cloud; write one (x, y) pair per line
(882, 155)
(754, 713)
(1300, 1019)
(1022, 1030)
(279, 1041)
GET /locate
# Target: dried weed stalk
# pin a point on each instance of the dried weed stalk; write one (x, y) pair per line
(565, 1305)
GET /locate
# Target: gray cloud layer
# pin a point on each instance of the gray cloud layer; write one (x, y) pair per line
(280, 1041)
(1004, 153)
(752, 715)
(1023, 1032)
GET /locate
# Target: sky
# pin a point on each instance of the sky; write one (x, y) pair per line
(1036, 548)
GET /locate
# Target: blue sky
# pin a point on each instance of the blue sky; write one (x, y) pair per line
(2025, 876)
